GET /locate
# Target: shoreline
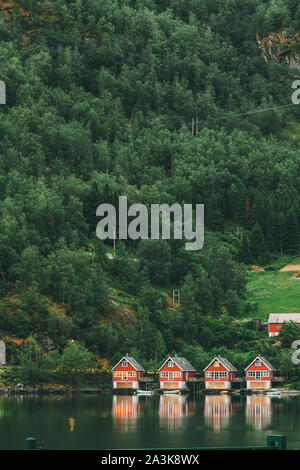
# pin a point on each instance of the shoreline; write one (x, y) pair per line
(21, 389)
(28, 390)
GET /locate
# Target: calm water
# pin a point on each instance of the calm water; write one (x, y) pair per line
(111, 421)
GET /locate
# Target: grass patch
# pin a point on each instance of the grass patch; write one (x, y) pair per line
(295, 260)
(274, 292)
(280, 262)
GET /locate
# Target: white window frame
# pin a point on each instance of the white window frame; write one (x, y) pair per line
(217, 375)
(124, 363)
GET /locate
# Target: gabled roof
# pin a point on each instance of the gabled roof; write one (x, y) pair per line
(225, 363)
(181, 362)
(282, 317)
(131, 361)
(265, 361)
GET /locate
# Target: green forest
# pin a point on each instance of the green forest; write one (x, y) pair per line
(161, 101)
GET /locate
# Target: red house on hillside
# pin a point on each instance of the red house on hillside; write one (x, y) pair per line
(175, 373)
(259, 374)
(219, 374)
(127, 373)
(276, 321)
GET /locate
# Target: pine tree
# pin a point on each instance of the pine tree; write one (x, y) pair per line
(244, 254)
(291, 238)
(257, 242)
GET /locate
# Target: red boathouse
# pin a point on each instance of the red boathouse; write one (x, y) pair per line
(127, 373)
(219, 374)
(175, 373)
(259, 374)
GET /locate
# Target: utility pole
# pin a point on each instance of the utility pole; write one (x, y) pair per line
(195, 126)
(176, 298)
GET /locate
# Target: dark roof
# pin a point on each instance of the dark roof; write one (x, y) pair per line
(133, 362)
(182, 363)
(225, 363)
(265, 361)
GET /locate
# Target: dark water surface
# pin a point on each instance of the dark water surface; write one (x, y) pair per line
(114, 422)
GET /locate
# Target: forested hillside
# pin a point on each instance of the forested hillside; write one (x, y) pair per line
(157, 100)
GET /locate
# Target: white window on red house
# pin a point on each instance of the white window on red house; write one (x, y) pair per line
(216, 375)
(171, 364)
(258, 374)
(170, 375)
(124, 364)
(257, 362)
(216, 364)
(124, 375)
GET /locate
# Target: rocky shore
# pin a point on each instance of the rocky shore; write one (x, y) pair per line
(21, 389)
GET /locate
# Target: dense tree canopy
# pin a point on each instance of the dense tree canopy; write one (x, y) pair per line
(155, 100)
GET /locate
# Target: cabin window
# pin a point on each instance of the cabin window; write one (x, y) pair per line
(216, 364)
(124, 364)
(170, 375)
(258, 374)
(216, 375)
(124, 375)
(171, 364)
(257, 362)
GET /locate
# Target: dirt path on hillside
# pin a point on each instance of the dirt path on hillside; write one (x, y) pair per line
(290, 267)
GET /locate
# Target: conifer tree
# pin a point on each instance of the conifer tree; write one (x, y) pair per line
(257, 242)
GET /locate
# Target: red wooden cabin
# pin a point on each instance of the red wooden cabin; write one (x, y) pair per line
(259, 374)
(127, 373)
(219, 374)
(276, 321)
(175, 373)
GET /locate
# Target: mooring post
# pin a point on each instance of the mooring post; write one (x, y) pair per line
(30, 443)
(276, 442)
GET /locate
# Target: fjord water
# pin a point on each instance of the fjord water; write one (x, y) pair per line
(129, 421)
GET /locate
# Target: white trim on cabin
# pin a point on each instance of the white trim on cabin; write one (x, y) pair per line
(261, 360)
(217, 359)
(124, 358)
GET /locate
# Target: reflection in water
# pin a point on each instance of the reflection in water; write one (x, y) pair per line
(174, 410)
(72, 424)
(258, 411)
(125, 410)
(217, 410)
(102, 420)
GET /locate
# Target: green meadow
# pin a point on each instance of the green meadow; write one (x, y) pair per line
(274, 292)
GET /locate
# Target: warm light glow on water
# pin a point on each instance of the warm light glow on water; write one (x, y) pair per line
(132, 421)
(217, 411)
(72, 424)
